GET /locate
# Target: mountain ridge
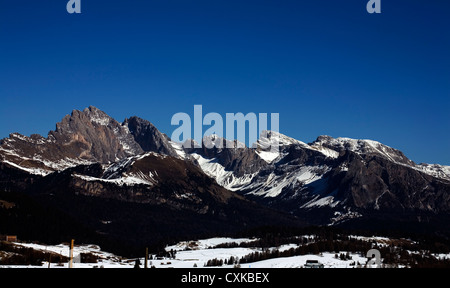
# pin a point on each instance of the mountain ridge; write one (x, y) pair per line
(330, 181)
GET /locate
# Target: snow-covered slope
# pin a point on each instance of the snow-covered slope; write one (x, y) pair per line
(226, 179)
(274, 183)
(435, 170)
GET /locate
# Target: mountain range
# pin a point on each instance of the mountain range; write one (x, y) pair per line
(129, 183)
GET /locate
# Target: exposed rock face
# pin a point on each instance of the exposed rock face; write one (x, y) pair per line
(148, 137)
(328, 181)
(94, 136)
(232, 155)
(346, 177)
(377, 183)
(84, 137)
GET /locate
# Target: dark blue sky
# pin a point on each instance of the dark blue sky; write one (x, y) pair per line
(327, 67)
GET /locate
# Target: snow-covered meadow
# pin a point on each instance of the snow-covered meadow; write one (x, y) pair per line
(190, 254)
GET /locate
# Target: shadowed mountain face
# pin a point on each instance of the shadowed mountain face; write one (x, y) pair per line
(149, 138)
(95, 170)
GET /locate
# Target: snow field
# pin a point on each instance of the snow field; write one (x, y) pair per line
(192, 254)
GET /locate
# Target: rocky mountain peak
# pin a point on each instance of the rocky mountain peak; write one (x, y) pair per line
(95, 136)
(86, 136)
(149, 137)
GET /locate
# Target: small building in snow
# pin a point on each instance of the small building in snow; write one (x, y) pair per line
(313, 264)
(8, 238)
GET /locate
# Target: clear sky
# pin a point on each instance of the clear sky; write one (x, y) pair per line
(326, 66)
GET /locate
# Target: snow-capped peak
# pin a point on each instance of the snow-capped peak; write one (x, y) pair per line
(269, 137)
(330, 145)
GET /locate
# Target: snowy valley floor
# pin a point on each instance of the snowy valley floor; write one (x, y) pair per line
(197, 254)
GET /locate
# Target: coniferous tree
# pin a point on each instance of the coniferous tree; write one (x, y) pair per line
(137, 263)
